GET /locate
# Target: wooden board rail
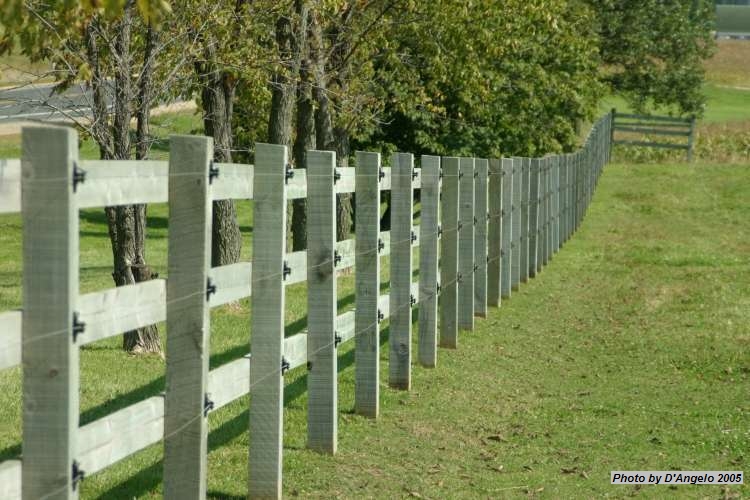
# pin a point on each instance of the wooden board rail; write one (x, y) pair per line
(487, 227)
(651, 125)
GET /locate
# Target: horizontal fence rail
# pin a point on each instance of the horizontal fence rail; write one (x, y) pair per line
(636, 127)
(487, 227)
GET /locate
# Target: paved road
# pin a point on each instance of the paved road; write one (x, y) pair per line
(39, 102)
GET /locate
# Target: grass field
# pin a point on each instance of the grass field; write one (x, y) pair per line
(630, 351)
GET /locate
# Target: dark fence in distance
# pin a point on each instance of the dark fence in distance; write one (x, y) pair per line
(647, 126)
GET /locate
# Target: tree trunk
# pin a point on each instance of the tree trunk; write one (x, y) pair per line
(344, 205)
(127, 223)
(146, 339)
(217, 97)
(290, 34)
(305, 137)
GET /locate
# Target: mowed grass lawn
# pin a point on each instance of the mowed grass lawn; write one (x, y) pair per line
(629, 351)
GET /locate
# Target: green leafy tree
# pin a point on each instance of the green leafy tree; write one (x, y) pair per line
(653, 50)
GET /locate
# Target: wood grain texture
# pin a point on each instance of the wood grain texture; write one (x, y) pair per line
(367, 284)
(121, 309)
(507, 226)
(10, 479)
(428, 260)
(233, 282)
(322, 389)
(449, 253)
(267, 322)
(50, 294)
(494, 232)
(10, 186)
(188, 320)
(515, 245)
(120, 434)
(481, 214)
(122, 182)
(235, 182)
(466, 245)
(533, 215)
(399, 361)
(10, 339)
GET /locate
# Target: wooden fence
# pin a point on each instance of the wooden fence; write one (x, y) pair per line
(650, 125)
(486, 226)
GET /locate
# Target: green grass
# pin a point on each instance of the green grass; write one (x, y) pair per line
(629, 351)
(723, 105)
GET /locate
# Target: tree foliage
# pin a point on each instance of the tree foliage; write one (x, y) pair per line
(654, 50)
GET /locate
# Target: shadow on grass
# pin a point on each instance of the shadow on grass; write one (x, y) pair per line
(149, 478)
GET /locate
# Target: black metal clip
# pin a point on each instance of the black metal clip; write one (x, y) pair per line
(460, 174)
(476, 173)
(208, 405)
(476, 267)
(460, 225)
(440, 231)
(475, 220)
(210, 288)
(439, 289)
(440, 174)
(336, 175)
(381, 174)
(78, 327)
(309, 365)
(76, 474)
(286, 271)
(414, 174)
(412, 300)
(458, 277)
(288, 173)
(213, 172)
(381, 317)
(79, 176)
(336, 339)
(413, 236)
(336, 258)
(285, 366)
(381, 245)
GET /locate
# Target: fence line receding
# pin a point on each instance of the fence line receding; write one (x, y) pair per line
(486, 227)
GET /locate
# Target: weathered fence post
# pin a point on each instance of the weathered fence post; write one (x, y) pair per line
(50, 327)
(188, 318)
(399, 361)
(533, 215)
(267, 335)
(322, 389)
(494, 232)
(507, 226)
(542, 243)
(524, 238)
(367, 278)
(515, 245)
(466, 245)
(480, 238)
(449, 253)
(564, 201)
(548, 210)
(612, 117)
(540, 216)
(428, 260)
(556, 203)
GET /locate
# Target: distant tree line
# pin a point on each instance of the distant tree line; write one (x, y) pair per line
(489, 78)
